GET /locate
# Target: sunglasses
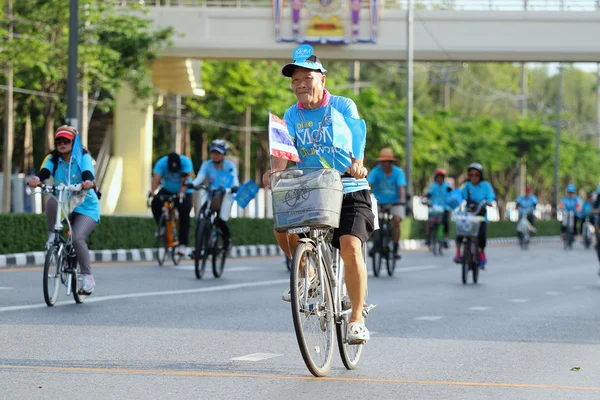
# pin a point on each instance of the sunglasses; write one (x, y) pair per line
(474, 176)
(62, 141)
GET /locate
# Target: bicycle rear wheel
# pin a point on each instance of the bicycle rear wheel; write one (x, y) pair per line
(376, 254)
(219, 256)
(201, 252)
(312, 311)
(161, 247)
(390, 263)
(349, 353)
(52, 278)
(175, 256)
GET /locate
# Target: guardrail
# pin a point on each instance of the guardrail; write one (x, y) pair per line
(450, 5)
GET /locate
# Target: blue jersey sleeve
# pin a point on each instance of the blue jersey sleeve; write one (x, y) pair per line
(490, 195)
(400, 177)
(290, 122)
(372, 177)
(87, 163)
(160, 166)
(202, 173)
(47, 163)
(347, 107)
(186, 165)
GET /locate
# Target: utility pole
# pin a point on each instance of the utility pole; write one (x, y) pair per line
(557, 141)
(523, 111)
(447, 81)
(176, 125)
(72, 64)
(354, 67)
(9, 127)
(247, 149)
(409, 101)
(598, 104)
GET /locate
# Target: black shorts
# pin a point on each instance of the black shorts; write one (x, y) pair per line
(356, 218)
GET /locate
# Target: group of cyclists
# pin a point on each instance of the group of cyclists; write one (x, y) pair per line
(308, 117)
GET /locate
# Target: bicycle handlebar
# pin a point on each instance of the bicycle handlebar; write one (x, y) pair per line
(50, 188)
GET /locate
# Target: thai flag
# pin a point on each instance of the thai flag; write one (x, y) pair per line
(280, 141)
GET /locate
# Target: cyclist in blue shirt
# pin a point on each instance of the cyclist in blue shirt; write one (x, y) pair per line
(526, 204)
(173, 173)
(208, 171)
(388, 184)
(309, 123)
(587, 211)
(475, 191)
(436, 192)
(60, 165)
(570, 203)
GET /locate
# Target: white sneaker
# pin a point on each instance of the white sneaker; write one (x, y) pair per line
(181, 249)
(357, 333)
(314, 284)
(88, 283)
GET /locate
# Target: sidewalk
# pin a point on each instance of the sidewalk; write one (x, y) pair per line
(36, 259)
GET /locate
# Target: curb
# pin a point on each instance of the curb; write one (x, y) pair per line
(37, 258)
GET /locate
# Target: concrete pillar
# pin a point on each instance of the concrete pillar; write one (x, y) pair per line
(133, 144)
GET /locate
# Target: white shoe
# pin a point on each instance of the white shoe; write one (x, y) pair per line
(181, 249)
(314, 284)
(357, 333)
(88, 283)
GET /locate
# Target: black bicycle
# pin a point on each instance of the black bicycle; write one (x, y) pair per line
(381, 243)
(210, 241)
(467, 226)
(61, 265)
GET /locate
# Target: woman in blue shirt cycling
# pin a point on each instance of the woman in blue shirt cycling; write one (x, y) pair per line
(475, 191)
(60, 165)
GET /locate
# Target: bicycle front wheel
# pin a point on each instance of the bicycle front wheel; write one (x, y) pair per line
(466, 261)
(350, 353)
(312, 310)
(219, 256)
(52, 271)
(201, 250)
(161, 247)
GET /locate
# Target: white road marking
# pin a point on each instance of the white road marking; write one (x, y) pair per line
(6, 288)
(479, 308)
(428, 318)
(418, 268)
(552, 293)
(256, 357)
(152, 294)
(519, 300)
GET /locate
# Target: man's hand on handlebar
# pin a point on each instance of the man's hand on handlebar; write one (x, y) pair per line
(357, 170)
(34, 182)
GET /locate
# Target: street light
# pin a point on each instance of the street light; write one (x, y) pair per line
(72, 65)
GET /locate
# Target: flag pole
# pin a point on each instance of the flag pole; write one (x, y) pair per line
(269, 140)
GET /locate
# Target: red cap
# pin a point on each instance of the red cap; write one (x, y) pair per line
(527, 189)
(66, 132)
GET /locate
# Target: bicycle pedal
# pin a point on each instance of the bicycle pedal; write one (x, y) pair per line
(367, 308)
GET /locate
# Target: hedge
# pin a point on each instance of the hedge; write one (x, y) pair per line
(27, 232)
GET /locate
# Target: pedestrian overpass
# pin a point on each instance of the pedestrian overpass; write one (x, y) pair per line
(474, 30)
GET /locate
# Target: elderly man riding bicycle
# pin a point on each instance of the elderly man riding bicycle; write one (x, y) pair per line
(309, 123)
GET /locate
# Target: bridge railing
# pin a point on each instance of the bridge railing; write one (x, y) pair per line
(460, 5)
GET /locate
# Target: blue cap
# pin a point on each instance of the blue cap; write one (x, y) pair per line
(303, 58)
(571, 188)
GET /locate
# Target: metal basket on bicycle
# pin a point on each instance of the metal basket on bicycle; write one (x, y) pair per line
(310, 197)
(467, 224)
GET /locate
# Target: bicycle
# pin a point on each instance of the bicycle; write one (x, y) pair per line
(167, 231)
(323, 301)
(209, 239)
(60, 264)
(524, 231)
(467, 225)
(588, 232)
(436, 229)
(381, 243)
(568, 222)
